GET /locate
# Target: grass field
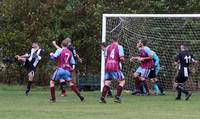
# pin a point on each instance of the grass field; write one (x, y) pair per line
(15, 105)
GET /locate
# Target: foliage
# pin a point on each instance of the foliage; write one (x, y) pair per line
(48, 20)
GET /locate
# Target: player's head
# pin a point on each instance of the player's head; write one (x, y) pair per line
(141, 43)
(35, 44)
(69, 40)
(183, 47)
(115, 38)
(64, 43)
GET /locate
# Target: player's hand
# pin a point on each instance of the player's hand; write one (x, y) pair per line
(17, 56)
(193, 71)
(140, 59)
(132, 59)
(53, 42)
(51, 54)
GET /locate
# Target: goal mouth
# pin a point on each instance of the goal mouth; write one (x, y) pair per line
(164, 33)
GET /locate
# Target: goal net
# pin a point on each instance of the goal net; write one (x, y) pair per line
(164, 33)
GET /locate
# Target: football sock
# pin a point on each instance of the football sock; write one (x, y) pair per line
(137, 84)
(105, 91)
(75, 89)
(159, 86)
(62, 87)
(146, 86)
(182, 89)
(52, 90)
(119, 91)
(29, 85)
(141, 87)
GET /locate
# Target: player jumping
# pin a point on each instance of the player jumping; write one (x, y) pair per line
(66, 65)
(184, 59)
(114, 54)
(30, 61)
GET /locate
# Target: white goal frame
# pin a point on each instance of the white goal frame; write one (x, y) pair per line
(131, 15)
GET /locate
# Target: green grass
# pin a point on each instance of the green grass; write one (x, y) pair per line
(15, 105)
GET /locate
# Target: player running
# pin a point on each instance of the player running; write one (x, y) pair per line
(184, 59)
(141, 74)
(30, 61)
(66, 65)
(153, 74)
(114, 54)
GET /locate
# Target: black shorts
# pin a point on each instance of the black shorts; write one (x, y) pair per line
(152, 73)
(29, 67)
(182, 75)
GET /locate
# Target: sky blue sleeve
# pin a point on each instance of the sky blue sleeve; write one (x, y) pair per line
(147, 50)
(156, 59)
(72, 61)
(121, 51)
(57, 53)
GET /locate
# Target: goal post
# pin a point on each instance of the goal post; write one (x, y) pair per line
(164, 33)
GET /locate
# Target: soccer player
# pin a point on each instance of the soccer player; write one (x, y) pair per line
(114, 54)
(141, 74)
(154, 72)
(184, 59)
(76, 58)
(66, 65)
(31, 60)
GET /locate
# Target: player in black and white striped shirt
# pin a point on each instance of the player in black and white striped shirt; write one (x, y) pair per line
(31, 60)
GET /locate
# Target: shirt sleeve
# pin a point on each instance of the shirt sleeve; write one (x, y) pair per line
(193, 58)
(72, 61)
(57, 53)
(121, 51)
(177, 57)
(148, 50)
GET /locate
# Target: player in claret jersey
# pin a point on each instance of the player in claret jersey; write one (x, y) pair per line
(114, 55)
(184, 59)
(141, 74)
(66, 65)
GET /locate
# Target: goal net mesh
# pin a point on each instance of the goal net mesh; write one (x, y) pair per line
(164, 36)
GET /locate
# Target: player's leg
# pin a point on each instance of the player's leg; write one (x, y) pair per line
(30, 81)
(137, 81)
(121, 80)
(106, 88)
(68, 76)
(52, 91)
(75, 89)
(157, 82)
(63, 87)
(56, 76)
(110, 94)
(143, 78)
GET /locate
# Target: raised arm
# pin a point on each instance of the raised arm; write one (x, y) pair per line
(55, 45)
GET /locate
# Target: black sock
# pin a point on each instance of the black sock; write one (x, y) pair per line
(178, 93)
(29, 85)
(110, 93)
(62, 87)
(182, 89)
(141, 87)
(159, 86)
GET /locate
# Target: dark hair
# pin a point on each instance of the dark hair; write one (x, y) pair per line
(184, 46)
(144, 41)
(65, 43)
(115, 38)
(34, 39)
